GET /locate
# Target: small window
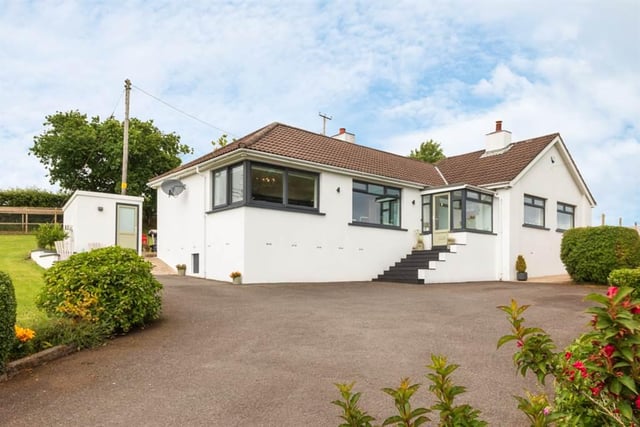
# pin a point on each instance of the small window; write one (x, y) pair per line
(237, 184)
(195, 263)
(426, 214)
(566, 216)
(375, 204)
(534, 211)
(220, 188)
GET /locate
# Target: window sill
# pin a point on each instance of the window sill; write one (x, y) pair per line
(562, 230)
(382, 226)
(267, 206)
(537, 227)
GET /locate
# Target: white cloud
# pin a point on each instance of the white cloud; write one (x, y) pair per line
(394, 73)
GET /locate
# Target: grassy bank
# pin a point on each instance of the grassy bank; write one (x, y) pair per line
(25, 274)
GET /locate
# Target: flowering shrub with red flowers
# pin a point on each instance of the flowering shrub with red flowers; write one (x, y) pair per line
(597, 377)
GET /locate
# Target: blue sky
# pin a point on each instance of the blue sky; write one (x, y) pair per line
(394, 73)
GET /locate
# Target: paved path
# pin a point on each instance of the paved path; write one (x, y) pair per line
(268, 355)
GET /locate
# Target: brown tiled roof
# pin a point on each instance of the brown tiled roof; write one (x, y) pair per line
(476, 169)
(294, 143)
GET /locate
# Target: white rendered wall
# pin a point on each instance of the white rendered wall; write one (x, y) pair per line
(181, 222)
(284, 246)
(541, 248)
(473, 258)
(89, 225)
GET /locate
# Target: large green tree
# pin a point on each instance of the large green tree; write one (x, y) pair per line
(429, 151)
(86, 154)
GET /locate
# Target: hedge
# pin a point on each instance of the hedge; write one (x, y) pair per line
(625, 277)
(7, 317)
(591, 254)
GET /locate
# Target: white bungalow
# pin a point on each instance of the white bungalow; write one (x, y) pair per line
(286, 205)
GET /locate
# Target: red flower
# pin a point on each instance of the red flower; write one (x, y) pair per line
(612, 291)
(519, 344)
(580, 367)
(636, 309)
(597, 389)
(567, 355)
(638, 401)
(608, 350)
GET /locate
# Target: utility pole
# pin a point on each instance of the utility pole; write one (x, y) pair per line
(125, 142)
(324, 122)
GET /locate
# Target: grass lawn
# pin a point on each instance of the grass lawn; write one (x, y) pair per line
(25, 274)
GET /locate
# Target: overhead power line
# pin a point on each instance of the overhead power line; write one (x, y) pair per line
(183, 112)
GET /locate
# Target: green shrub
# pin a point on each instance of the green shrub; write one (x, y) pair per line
(7, 317)
(48, 234)
(625, 277)
(112, 286)
(591, 254)
(80, 334)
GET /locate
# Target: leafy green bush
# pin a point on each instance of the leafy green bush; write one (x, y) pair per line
(591, 254)
(596, 378)
(112, 286)
(7, 317)
(48, 234)
(626, 277)
(442, 387)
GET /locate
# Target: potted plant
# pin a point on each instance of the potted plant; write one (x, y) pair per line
(521, 268)
(236, 277)
(182, 269)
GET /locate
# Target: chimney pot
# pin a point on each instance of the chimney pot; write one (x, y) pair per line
(498, 125)
(343, 130)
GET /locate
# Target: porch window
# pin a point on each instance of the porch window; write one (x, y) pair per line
(468, 210)
(456, 210)
(566, 216)
(284, 187)
(534, 211)
(479, 211)
(426, 214)
(375, 204)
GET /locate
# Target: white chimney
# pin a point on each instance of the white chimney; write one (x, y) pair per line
(343, 135)
(498, 139)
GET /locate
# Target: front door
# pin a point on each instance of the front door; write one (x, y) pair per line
(127, 226)
(440, 220)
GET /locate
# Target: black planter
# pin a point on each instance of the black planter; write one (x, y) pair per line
(522, 276)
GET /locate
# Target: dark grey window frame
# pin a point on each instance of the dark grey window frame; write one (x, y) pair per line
(385, 193)
(463, 200)
(247, 190)
(561, 208)
(534, 206)
(228, 187)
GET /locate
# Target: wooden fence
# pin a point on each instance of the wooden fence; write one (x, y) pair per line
(27, 219)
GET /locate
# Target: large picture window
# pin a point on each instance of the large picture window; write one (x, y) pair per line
(285, 187)
(376, 204)
(566, 216)
(534, 211)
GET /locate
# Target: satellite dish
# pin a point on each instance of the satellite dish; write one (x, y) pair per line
(172, 187)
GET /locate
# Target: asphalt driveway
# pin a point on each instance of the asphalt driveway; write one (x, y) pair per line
(268, 355)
